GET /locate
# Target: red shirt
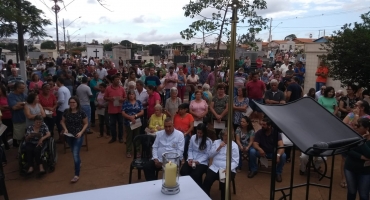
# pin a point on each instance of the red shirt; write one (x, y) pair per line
(183, 124)
(112, 71)
(151, 102)
(48, 102)
(322, 69)
(259, 62)
(6, 113)
(255, 90)
(114, 92)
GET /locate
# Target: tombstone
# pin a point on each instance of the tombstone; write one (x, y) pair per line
(95, 51)
(121, 51)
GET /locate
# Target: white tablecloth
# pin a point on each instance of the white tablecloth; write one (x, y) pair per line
(146, 190)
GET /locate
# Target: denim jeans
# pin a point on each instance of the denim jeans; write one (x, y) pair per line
(167, 95)
(319, 85)
(187, 141)
(357, 182)
(93, 108)
(104, 120)
(87, 110)
(50, 122)
(113, 120)
(254, 154)
(131, 134)
(75, 145)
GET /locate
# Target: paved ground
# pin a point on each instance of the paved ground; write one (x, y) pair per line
(105, 165)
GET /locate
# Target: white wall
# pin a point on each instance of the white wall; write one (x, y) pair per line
(91, 48)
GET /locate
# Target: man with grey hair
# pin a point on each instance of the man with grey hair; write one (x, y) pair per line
(274, 95)
(167, 140)
(142, 96)
(13, 78)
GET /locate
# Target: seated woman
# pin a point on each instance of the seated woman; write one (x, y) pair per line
(156, 121)
(35, 137)
(218, 153)
(244, 138)
(197, 163)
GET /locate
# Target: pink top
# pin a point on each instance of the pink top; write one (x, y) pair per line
(172, 77)
(114, 92)
(6, 112)
(198, 108)
(151, 102)
(100, 98)
(33, 85)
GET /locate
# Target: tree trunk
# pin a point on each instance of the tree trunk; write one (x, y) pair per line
(220, 36)
(22, 65)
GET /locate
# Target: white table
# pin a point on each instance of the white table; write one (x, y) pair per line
(145, 190)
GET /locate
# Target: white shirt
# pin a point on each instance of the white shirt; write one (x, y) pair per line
(318, 95)
(283, 68)
(102, 73)
(168, 143)
(142, 97)
(219, 157)
(202, 156)
(139, 72)
(92, 62)
(63, 97)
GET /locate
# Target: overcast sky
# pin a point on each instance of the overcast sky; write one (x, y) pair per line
(160, 21)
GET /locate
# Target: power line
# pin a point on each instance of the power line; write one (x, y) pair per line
(42, 1)
(67, 5)
(322, 15)
(310, 27)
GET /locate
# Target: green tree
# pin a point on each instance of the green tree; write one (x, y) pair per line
(348, 53)
(109, 46)
(78, 44)
(218, 23)
(48, 45)
(248, 38)
(125, 43)
(31, 19)
(290, 37)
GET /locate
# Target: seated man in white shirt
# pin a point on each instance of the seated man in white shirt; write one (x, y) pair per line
(320, 93)
(167, 140)
(218, 153)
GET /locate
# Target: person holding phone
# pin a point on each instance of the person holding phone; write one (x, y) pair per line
(35, 136)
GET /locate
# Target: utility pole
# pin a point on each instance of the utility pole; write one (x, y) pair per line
(324, 32)
(270, 30)
(56, 9)
(64, 33)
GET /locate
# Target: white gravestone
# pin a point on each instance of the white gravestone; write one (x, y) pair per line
(95, 51)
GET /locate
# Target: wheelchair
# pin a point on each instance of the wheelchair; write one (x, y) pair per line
(49, 156)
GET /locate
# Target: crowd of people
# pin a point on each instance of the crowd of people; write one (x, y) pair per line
(69, 93)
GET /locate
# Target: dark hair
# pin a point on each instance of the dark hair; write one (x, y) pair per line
(3, 90)
(61, 80)
(250, 124)
(150, 87)
(31, 97)
(220, 86)
(296, 79)
(254, 73)
(55, 78)
(309, 92)
(353, 87)
(114, 77)
(366, 106)
(103, 85)
(364, 122)
(84, 79)
(17, 84)
(184, 106)
(140, 82)
(77, 102)
(268, 121)
(38, 118)
(327, 90)
(244, 91)
(365, 92)
(203, 143)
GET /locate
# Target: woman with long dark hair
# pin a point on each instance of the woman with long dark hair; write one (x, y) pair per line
(6, 117)
(328, 101)
(199, 147)
(311, 93)
(244, 138)
(74, 123)
(356, 168)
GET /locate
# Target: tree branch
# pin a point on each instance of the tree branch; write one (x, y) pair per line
(103, 5)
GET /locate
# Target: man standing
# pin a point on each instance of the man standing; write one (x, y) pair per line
(63, 97)
(142, 96)
(274, 96)
(255, 90)
(84, 93)
(239, 80)
(167, 140)
(13, 78)
(284, 68)
(259, 62)
(115, 95)
(94, 86)
(299, 72)
(203, 75)
(170, 81)
(152, 79)
(293, 91)
(120, 63)
(146, 74)
(16, 101)
(322, 75)
(102, 72)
